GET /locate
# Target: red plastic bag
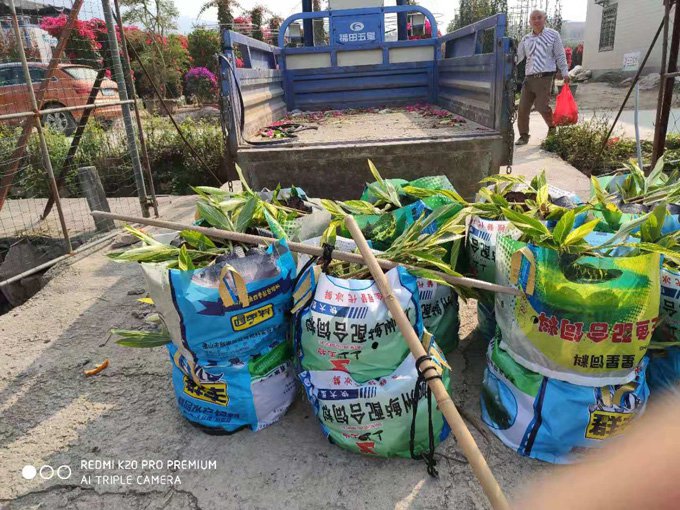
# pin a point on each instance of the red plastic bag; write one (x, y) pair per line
(566, 109)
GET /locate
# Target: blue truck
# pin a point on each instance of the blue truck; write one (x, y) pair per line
(352, 60)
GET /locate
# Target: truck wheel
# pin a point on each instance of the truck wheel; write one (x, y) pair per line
(61, 122)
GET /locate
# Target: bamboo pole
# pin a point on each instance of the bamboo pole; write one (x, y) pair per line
(446, 405)
(314, 251)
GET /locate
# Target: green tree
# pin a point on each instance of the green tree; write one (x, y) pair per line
(203, 44)
(275, 23)
(555, 21)
(225, 15)
(156, 16)
(451, 26)
(470, 11)
(165, 58)
(256, 18)
(319, 30)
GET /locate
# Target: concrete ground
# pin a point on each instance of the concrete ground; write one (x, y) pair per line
(646, 119)
(52, 415)
(22, 216)
(530, 160)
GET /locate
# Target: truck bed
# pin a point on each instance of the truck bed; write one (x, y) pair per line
(330, 159)
(378, 89)
(389, 124)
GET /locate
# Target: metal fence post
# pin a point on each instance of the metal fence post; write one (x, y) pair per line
(127, 69)
(38, 125)
(127, 118)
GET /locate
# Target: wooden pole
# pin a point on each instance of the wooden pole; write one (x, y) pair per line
(314, 251)
(663, 114)
(605, 140)
(446, 405)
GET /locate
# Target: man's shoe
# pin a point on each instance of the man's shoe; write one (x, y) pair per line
(552, 131)
(522, 140)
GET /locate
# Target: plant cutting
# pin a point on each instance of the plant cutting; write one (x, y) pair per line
(620, 198)
(285, 214)
(388, 206)
(536, 199)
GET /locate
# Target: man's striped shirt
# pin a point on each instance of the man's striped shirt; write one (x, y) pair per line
(544, 52)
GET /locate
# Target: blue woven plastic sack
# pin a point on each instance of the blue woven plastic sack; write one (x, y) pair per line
(663, 373)
(231, 395)
(236, 307)
(552, 420)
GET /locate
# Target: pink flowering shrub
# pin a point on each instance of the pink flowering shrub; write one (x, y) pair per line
(202, 83)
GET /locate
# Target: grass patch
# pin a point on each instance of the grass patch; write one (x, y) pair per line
(173, 166)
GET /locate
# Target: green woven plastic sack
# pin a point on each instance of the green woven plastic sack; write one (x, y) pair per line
(432, 182)
(586, 321)
(345, 325)
(375, 417)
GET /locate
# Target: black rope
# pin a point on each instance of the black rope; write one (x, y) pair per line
(242, 121)
(327, 256)
(428, 457)
(308, 264)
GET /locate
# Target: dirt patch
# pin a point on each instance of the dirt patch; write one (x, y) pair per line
(54, 415)
(600, 97)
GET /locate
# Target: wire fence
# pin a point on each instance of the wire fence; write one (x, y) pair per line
(66, 146)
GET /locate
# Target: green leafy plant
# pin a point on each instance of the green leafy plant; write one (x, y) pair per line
(204, 44)
(562, 238)
(427, 252)
(421, 193)
(247, 209)
(573, 242)
(386, 198)
(515, 193)
(581, 146)
(141, 339)
(384, 190)
(193, 251)
(636, 194)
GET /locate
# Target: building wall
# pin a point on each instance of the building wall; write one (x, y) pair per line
(636, 24)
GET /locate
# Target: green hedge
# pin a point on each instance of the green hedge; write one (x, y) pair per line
(174, 168)
(580, 146)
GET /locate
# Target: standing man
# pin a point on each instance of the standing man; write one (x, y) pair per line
(544, 52)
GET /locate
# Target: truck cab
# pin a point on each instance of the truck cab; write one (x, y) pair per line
(379, 83)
